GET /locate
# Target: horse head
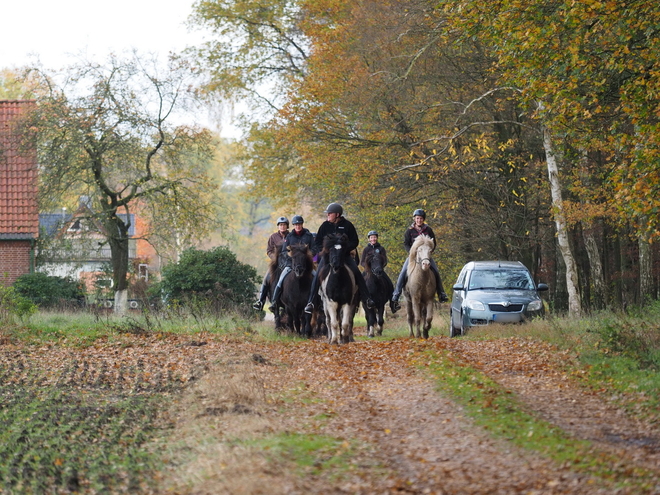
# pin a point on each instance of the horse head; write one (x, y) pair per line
(335, 245)
(375, 262)
(420, 252)
(301, 259)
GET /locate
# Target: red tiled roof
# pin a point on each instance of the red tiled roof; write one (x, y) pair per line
(19, 213)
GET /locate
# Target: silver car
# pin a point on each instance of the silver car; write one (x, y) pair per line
(493, 292)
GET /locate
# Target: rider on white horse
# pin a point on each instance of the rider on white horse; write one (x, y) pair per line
(418, 227)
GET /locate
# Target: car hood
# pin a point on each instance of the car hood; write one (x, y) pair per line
(496, 296)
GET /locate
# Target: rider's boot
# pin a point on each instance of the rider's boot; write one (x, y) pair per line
(276, 297)
(394, 303)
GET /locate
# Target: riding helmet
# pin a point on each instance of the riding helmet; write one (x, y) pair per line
(334, 208)
(419, 213)
(372, 232)
(283, 220)
(297, 219)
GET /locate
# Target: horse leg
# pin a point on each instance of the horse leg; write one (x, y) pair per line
(350, 325)
(369, 313)
(411, 315)
(428, 318)
(348, 312)
(379, 316)
(419, 317)
(332, 322)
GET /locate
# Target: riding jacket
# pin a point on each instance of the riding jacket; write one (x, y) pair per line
(413, 233)
(292, 239)
(343, 226)
(372, 247)
(275, 240)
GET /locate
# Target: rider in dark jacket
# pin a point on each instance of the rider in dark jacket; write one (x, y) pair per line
(418, 227)
(373, 245)
(338, 224)
(299, 235)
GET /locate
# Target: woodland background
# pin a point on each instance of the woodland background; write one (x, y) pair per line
(528, 130)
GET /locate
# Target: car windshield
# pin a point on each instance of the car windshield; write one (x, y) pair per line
(500, 279)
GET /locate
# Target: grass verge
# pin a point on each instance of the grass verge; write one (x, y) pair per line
(496, 409)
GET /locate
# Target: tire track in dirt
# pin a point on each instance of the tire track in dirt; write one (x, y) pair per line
(423, 438)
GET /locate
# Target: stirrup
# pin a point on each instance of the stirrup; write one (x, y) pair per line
(309, 308)
(258, 305)
(394, 305)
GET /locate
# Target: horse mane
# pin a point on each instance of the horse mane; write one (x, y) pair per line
(368, 259)
(419, 242)
(304, 248)
(332, 240)
(274, 263)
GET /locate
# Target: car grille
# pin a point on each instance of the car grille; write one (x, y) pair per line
(511, 308)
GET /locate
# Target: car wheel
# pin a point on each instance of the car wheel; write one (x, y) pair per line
(453, 331)
(463, 329)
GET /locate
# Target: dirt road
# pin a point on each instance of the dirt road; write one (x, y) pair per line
(402, 434)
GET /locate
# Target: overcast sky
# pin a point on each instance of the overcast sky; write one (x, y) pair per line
(55, 32)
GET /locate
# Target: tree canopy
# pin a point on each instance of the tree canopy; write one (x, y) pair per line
(108, 133)
(466, 109)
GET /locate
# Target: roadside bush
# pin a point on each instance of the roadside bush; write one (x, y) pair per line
(215, 275)
(14, 305)
(47, 291)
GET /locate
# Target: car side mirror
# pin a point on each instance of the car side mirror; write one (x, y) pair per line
(542, 287)
(458, 287)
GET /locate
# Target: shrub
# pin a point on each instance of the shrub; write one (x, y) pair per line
(14, 305)
(215, 275)
(48, 291)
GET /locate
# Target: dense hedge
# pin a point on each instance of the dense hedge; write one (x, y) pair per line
(48, 291)
(214, 274)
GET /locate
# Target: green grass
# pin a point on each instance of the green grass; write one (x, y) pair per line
(85, 328)
(312, 454)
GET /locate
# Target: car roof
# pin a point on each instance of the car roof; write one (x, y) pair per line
(489, 265)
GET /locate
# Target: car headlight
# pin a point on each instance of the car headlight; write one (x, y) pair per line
(475, 305)
(535, 305)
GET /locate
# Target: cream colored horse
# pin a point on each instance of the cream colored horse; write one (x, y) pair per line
(420, 287)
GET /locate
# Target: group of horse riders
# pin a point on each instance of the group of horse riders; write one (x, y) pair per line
(336, 223)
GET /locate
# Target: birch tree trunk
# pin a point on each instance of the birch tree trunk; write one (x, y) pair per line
(597, 273)
(574, 302)
(645, 268)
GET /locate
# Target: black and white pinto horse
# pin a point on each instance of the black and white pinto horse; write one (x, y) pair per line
(420, 287)
(338, 289)
(380, 288)
(296, 287)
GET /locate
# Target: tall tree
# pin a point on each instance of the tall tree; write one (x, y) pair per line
(107, 132)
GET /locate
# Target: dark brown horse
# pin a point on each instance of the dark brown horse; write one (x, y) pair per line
(275, 271)
(296, 287)
(380, 287)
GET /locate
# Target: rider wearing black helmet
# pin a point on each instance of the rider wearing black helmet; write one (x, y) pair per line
(337, 224)
(418, 227)
(373, 245)
(274, 241)
(299, 235)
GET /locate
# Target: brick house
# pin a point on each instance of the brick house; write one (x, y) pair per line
(19, 213)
